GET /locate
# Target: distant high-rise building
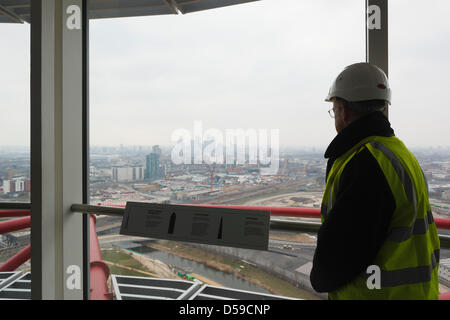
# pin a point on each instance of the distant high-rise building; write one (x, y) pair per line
(11, 186)
(152, 166)
(153, 170)
(19, 185)
(127, 173)
(6, 186)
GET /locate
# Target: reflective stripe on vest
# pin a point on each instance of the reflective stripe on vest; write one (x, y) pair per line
(401, 172)
(404, 276)
(400, 234)
(325, 208)
(420, 226)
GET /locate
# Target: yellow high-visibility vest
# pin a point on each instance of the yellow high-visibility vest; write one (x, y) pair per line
(408, 260)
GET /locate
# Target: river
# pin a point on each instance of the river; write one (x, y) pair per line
(226, 279)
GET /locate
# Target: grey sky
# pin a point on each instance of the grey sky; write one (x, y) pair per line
(262, 65)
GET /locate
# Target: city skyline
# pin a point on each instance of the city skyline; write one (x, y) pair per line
(154, 75)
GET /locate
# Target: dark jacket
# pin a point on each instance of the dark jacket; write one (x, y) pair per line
(350, 238)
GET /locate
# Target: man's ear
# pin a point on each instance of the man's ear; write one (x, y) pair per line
(347, 113)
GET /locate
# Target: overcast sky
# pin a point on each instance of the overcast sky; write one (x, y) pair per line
(261, 65)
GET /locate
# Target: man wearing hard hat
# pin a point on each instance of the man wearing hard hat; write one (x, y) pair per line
(378, 239)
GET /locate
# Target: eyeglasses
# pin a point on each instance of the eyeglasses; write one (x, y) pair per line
(331, 112)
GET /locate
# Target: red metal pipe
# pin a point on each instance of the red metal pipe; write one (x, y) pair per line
(99, 269)
(441, 223)
(14, 225)
(17, 260)
(444, 296)
(14, 213)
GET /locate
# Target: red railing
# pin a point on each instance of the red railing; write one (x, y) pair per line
(14, 225)
(17, 260)
(14, 213)
(99, 269)
(441, 223)
(99, 273)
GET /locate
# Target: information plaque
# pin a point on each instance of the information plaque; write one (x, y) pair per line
(208, 225)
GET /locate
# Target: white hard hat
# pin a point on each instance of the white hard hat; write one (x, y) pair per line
(360, 82)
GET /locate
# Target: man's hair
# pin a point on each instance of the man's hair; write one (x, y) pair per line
(362, 108)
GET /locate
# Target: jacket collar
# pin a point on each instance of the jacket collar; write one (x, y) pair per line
(374, 124)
